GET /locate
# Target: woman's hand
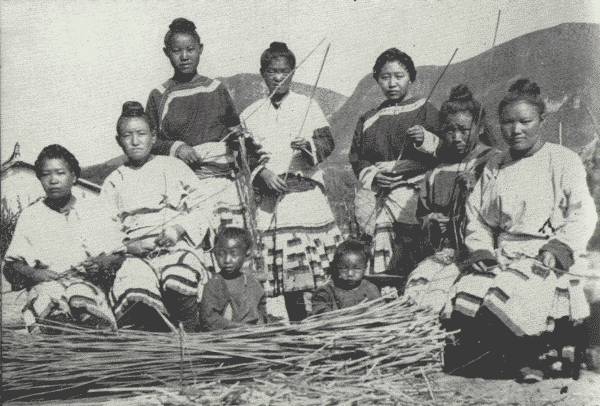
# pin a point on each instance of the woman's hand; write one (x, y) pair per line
(140, 248)
(41, 273)
(100, 262)
(548, 259)
(300, 144)
(170, 236)
(273, 181)
(417, 134)
(385, 166)
(388, 182)
(440, 220)
(187, 154)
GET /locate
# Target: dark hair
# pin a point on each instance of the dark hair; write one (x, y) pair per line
(461, 99)
(523, 90)
(277, 50)
(347, 247)
(394, 54)
(234, 233)
(131, 109)
(181, 26)
(56, 151)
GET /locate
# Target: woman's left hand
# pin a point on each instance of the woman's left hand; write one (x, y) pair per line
(300, 144)
(417, 134)
(548, 259)
(170, 236)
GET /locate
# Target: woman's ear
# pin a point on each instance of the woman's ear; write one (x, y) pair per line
(200, 48)
(166, 52)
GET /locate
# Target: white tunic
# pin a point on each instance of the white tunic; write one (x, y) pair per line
(526, 202)
(275, 128)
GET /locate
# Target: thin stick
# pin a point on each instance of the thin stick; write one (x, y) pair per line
(560, 135)
(428, 384)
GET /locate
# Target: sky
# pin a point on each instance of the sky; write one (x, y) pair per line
(66, 67)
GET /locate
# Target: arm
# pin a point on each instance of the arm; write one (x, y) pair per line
(479, 235)
(262, 309)
(579, 212)
(322, 302)
(162, 146)
(323, 142)
(363, 168)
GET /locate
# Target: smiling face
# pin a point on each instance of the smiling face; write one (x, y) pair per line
(184, 53)
(394, 80)
(520, 123)
(350, 270)
(136, 139)
(456, 132)
(230, 254)
(57, 178)
(275, 74)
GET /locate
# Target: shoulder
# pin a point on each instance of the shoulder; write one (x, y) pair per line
(159, 90)
(33, 212)
(248, 110)
(215, 283)
(208, 85)
(369, 286)
(563, 152)
(114, 178)
(324, 291)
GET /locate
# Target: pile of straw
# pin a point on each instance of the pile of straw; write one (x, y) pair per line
(366, 340)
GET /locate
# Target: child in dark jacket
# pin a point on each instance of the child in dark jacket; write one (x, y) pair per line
(347, 286)
(231, 298)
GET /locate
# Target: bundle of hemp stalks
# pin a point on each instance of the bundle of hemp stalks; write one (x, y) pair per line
(374, 337)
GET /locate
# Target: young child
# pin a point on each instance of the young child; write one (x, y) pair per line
(232, 298)
(347, 287)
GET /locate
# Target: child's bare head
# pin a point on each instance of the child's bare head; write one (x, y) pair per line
(349, 264)
(231, 248)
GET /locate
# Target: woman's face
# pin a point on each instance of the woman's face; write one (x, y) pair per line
(57, 178)
(520, 123)
(275, 74)
(136, 139)
(456, 132)
(184, 53)
(394, 80)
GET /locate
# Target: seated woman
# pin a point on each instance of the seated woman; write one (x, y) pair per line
(155, 200)
(60, 245)
(529, 219)
(299, 233)
(347, 287)
(392, 148)
(443, 195)
(232, 298)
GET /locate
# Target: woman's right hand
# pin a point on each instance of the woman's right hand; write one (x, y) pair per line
(388, 182)
(140, 248)
(187, 154)
(273, 181)
(41, 273)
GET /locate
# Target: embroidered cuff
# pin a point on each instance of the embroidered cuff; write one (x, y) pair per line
(366, 177)
(561, 251)
(430, 143)
(174, 147)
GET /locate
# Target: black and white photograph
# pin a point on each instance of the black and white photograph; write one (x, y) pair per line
(328, 202)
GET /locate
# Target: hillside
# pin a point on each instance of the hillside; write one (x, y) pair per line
(563, 60)
(245, 88)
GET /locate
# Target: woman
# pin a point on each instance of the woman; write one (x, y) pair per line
(391, 151)
(193, 115)
(155, 200)
(530, 217)
(443, 195)
(299, 233)
(63, 250)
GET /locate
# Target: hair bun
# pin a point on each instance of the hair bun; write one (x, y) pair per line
(132, 109)
(182, 25)
(525, 87)
(278, 47)
(460, 93)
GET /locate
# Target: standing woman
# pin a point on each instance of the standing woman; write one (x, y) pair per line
(391, 150)
(299, 233)
(191, 115)
(529, 219)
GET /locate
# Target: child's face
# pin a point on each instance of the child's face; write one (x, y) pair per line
(230, 254)
(350, 271)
